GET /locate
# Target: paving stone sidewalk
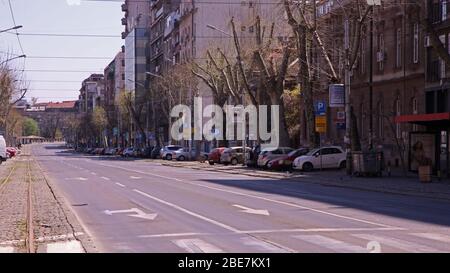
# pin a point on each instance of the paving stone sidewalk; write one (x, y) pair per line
(54, 226)
(396, 184)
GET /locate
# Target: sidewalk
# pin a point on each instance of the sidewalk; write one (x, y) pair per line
(32, 211)
(396, 184)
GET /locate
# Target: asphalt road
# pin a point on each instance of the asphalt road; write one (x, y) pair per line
(140, 206)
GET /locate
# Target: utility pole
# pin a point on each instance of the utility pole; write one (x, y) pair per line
(348, 117)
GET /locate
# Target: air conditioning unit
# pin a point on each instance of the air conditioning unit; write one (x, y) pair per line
(427, 41)
(380, 56)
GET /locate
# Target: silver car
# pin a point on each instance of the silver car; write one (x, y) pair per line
(166, 151)
(183, 154)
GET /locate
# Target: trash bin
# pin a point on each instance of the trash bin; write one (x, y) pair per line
(425, 173)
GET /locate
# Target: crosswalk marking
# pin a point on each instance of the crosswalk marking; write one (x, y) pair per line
(197, 246)
(65, 247)
(7, 249)
(263, 246)
(396, 243)
(332, 244)
(433, 236)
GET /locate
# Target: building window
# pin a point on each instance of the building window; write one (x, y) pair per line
(398, 48)
(415, 54)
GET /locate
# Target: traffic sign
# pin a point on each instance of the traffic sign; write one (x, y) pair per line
(321, 124)
(320, 108)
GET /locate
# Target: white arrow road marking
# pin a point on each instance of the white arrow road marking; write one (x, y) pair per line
(252, 211)
(139, 213)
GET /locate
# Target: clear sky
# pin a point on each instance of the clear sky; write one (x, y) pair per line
(61, 17)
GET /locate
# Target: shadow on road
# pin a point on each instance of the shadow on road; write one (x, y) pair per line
(398, 206)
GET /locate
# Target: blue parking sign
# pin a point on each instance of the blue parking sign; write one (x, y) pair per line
(320, 108)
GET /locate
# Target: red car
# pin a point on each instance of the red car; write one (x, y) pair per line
(284, 162)
(11, 152)
(214, 155)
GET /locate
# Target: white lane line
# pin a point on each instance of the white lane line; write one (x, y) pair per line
(197, 246)
(260, 198)
(433, 236)
(174, 235)
(105, 178)
(331, 244)
(265, 246)
(8, 249)
(93, 173)
(269, 231)
(121, 185)
(135, 177)
(65, 247)
(136, 171)
(204, 218)
(397, 243)
(316, 230)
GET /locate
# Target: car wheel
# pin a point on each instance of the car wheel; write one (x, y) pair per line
(168, 157)
(343, 165)
(234, 161)
(181, 158)
(211, 163)
(307, 167)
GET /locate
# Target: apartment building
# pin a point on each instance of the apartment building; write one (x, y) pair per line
(92, 93)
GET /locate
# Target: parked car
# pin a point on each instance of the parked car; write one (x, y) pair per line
(234, 155)
(183, 154)
(166, 151)
(284, 162)
(215, 154)
(128, 152)
(155, 153)
(271, 153)
(110, 151)
(3, 155)
(325, 158)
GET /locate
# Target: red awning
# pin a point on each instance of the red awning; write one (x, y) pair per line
(435, 119)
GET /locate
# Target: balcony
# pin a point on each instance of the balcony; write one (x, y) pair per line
(124, 7)
(124, 21)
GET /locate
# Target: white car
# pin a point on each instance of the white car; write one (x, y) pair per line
(3, 154)
(322, 158)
